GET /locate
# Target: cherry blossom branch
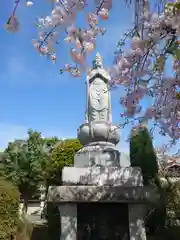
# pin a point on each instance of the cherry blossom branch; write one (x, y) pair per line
(16, 5)
(46, 37)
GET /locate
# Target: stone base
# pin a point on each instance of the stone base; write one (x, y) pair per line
(102, 175)
(62, 194)
(69, 216)
(101, 154)
(68, 198)
(98, 131)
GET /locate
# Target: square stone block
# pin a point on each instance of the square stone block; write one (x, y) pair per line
(114, 176)
(97, 155)
(61, 194)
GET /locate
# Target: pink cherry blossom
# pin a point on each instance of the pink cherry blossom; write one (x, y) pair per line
(149, 114)
(75, 72)
(77, 57)
(12, 24)
(103, 13)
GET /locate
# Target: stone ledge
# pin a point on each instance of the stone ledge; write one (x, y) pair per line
(101, 154)
(61, 194)
(98, 176)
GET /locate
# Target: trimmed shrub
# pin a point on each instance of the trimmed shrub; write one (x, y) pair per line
(62, 156)
(9, 209)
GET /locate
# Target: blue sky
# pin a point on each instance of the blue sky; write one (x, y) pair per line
(32, 92)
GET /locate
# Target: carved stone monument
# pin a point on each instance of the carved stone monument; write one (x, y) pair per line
(98, 135)
(98, 186)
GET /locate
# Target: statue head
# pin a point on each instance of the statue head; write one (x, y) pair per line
(98, 62)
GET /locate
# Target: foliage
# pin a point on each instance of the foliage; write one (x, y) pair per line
(9, 209)
(62, 155)
(25, 163)
(173, 199)
(142, 153)
(163, 218)
(1, 165)
(25, 229)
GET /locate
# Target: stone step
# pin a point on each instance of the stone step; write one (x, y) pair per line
(99, 175)
(61, 194)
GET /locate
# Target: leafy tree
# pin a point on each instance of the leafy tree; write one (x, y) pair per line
(142, 153)
(171, 185)
(1, 165)
(162, 216)
(25, 161)
(9, 209)
(62, 155)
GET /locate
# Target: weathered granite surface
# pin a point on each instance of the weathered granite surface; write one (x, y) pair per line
(62, 194)
(98, 131)
(100, 154)
(68, 221)
(100, 175)
(136, 222)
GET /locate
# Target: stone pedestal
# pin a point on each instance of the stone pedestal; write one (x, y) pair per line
(121, 185)
(102, 176)
(99, 155)
(97, 175)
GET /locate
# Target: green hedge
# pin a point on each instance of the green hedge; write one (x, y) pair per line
(9, 209)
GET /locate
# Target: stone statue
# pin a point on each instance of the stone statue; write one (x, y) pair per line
(98, 96)
(98, 128)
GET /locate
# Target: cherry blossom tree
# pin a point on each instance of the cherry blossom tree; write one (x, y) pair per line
(155, 38)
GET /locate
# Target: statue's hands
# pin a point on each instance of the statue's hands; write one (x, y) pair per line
(105, 90)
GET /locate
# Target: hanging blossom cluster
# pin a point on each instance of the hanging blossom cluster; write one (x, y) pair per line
(12, 24)
(140, 70)
(62, 18)
(84, 40)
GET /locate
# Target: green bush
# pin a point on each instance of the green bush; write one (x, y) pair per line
(9, 209)
(62, 155)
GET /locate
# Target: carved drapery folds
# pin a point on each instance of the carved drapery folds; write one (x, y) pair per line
(98, 96)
